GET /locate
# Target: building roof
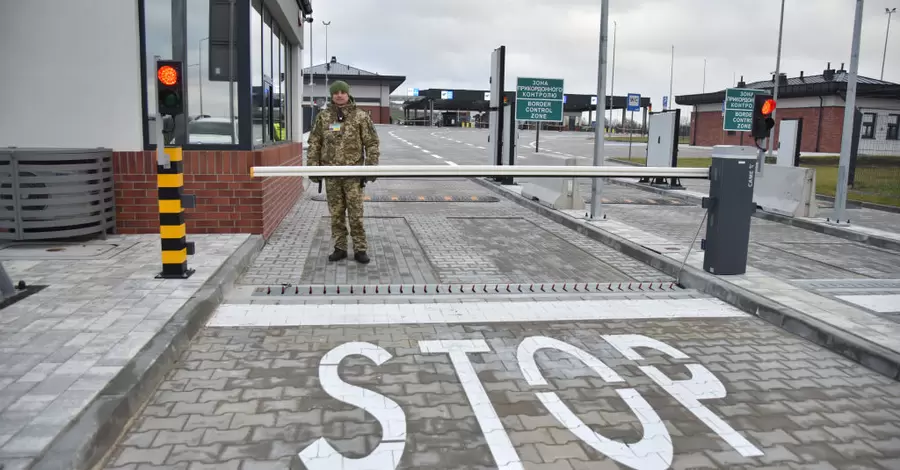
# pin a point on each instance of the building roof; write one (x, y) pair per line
(829, 82)
(339, 71)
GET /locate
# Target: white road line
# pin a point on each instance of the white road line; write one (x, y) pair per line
(480, 147)
(426, 151)
(416, 146)
(436, 155)
(231, 315)
(450, 163)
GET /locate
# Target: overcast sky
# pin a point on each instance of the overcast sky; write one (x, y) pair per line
(448, 43)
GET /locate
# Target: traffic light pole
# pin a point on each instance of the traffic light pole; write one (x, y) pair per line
(161, 157)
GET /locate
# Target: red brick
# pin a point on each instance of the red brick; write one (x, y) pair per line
(228, 200)
(706, 129)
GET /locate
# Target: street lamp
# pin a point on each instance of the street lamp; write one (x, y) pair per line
(889, 11)
(200, 69)
(777, 78)
(327, 60)
(612, 83)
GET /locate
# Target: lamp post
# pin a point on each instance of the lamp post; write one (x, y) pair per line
(612, 82)
(327, 63)
(200, 69)
(599, 135)
(777, 79)
(671, 100)
(889, 11)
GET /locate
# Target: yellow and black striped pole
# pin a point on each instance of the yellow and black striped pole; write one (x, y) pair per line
(172, 228)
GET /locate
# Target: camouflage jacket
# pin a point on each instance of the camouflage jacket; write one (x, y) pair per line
(340, 138)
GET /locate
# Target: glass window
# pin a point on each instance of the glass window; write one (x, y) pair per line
(893, 127)
(267, 77)
(158, 33)
(868, 126)
(256, 72)
(210, 95)
(283, 86)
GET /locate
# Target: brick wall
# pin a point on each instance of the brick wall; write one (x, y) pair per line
(228, 200)
(706, 129)
(380, 114)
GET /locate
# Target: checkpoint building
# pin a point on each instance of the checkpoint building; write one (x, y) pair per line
(80, 76)
(457, 107)
(817, 100)
(371, 91)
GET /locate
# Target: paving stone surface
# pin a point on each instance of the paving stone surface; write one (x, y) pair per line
(251, 397)
(62, 345)
(448, 242)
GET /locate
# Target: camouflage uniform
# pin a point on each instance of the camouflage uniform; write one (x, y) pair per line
(338, 137)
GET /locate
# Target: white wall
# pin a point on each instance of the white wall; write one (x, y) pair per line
(880, 145)
(71, 74)
(357, 90)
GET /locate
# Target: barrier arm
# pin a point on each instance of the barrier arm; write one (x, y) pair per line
(400, 171)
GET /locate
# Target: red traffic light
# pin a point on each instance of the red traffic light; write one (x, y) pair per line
(768, 107)
(167, 75)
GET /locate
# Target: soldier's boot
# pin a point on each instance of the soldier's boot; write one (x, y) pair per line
(338, 255)
(362, 257)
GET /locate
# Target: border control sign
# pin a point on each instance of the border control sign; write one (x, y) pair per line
(539, 99)
(739, 109)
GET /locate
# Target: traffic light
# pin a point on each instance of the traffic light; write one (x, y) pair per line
(169, 87)
(763, 106)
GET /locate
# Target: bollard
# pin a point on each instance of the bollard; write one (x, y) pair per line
(172, 228)
(730, 208)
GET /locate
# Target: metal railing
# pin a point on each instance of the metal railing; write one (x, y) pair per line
(55, 193)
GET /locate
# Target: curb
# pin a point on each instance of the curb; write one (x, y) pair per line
(872, 240)
(861, 350)
(97, 429)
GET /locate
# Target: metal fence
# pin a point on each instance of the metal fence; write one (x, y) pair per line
(55, 193)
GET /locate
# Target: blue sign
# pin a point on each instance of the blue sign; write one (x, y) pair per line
(447, 94)
(634, 102)
(415, 92)
(665, 102)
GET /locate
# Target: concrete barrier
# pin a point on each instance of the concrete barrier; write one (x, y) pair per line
(558, 193)
(786, 190)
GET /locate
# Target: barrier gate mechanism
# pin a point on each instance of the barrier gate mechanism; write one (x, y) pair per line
(662, 146)
(728, 175)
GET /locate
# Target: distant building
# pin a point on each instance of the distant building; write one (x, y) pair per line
(371, 91)
(819, 101)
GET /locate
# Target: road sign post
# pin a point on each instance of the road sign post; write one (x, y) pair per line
(634, 104)
(739, 109)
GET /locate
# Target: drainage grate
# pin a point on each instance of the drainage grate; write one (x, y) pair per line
(419, 198)
(454, 289)
(849, 283)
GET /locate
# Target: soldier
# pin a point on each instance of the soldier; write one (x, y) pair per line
(339, 135)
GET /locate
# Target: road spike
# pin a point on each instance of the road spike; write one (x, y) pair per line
(389, 289)
(496, 288)
(401, 288)
(641, 286)
(282, 290)
(414, 288)
(351, 289)
(473, 288)
(296, 290)
(425, 287)
(338, 289)
(268, 290)
(609, 286)
(629, 286)
(670, 285)
(520, 288)
(324, 290)
(507, 288)
(376, 289)
(532, 288)
(542, 288)
(484, 288)
(310, 290)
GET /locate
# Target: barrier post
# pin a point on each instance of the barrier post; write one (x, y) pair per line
(172, 227)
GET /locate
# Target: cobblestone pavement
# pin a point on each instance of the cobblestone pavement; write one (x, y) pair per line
(62, 345)
(412, 242)
(683, 384)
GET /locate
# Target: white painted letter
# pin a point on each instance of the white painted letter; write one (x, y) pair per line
(703, 384)
(654, 450)
(504, 453)
(320, 455)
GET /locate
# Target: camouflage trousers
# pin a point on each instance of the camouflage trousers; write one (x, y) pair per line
(345, 196)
